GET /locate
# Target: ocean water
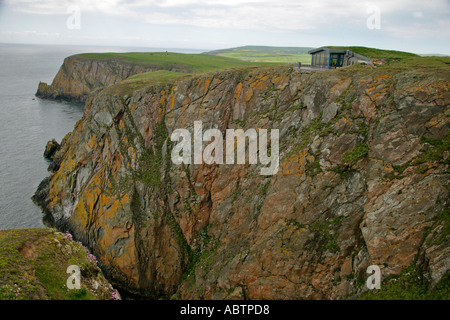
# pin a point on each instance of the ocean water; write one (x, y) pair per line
(27, 123)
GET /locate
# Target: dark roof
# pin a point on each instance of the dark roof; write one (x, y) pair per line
(328, 49)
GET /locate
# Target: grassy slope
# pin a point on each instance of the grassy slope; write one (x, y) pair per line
(378, 53)
(160, 75)
(439, 66)
(33, 264)
(266, 54)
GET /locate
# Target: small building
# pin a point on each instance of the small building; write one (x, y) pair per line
(328, 58)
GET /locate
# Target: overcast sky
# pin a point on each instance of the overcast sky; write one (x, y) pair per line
(410, 25)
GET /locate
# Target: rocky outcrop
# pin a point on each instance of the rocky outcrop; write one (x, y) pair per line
(79, 76)
(363, 180)
(51, 148)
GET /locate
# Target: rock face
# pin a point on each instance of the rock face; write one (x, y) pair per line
(363, 180)
(79, 76)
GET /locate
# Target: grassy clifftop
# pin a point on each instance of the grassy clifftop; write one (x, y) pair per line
(170, 60)
(374, 53)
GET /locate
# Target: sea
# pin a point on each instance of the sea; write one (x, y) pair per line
(27, 123)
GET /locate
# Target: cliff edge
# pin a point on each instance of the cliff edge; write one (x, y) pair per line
(79, 76)
(82, 74)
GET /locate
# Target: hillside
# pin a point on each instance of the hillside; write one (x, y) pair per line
(34, 262)
(362, 180)
(82, 74)
(378, 54)
(266, 54)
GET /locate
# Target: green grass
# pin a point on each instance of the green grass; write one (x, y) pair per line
(266, 57)
(360, 151)
(438, 66)
(410, 285)
(160, 75)
(280, 55)
(33, 264)
(378, 53)
(440, 230)
(141, 80)
(186, 63)
(437, 150)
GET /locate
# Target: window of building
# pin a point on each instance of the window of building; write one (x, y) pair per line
(334, 60)
(341, 60)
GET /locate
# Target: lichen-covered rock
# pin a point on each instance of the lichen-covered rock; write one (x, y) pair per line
(363, 178)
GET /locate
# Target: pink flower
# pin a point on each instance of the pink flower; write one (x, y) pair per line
(114, 296)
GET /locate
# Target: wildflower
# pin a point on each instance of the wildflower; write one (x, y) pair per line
(114, 296)
(91, 258)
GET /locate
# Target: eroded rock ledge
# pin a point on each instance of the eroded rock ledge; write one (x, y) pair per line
(363, 180)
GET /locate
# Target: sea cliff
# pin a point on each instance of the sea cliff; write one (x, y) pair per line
(363, 180)
(79, 76)
(83, 74)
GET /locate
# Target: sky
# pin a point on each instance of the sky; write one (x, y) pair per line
(408, 25)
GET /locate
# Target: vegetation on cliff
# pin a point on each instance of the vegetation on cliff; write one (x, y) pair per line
(34, 262)
(373, 53)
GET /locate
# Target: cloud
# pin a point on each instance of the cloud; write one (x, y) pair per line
(421, 30)
(255, 15)
(60, 7)
(31, 33)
